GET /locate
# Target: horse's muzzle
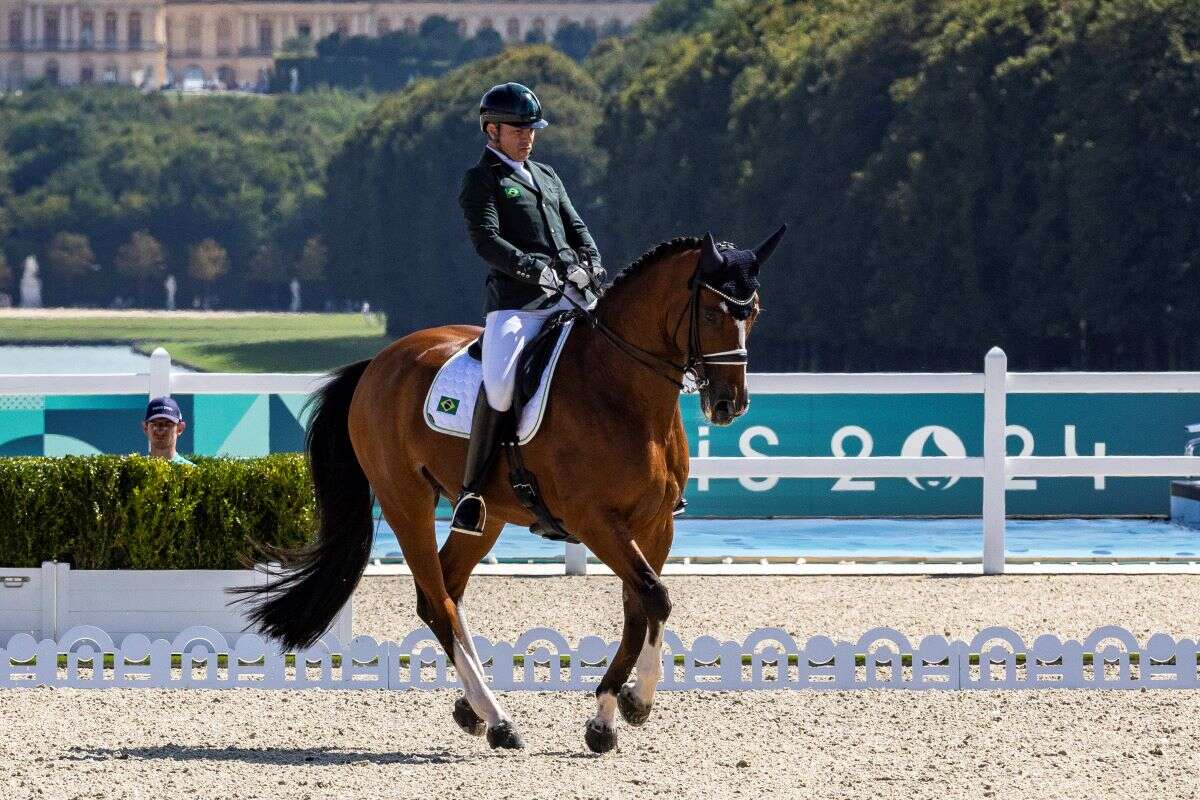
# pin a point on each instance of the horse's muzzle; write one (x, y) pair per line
(725, 411)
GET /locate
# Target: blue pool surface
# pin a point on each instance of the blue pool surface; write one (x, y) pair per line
(1070, 538)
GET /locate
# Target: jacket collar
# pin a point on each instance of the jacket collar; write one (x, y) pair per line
(495, 162)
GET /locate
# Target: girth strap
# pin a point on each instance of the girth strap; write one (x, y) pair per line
(525, 486)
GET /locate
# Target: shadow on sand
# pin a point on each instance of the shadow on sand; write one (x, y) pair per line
(301, 757)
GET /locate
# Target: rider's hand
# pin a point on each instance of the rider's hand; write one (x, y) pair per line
(580, 277)
(550, 280)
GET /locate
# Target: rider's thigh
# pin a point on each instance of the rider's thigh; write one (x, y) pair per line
(503, 338)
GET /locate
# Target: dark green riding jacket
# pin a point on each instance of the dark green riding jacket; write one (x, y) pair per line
(507, 219)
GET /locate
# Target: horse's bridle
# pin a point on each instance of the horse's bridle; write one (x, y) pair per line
(693, 368)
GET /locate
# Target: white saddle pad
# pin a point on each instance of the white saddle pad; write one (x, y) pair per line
(450, 403)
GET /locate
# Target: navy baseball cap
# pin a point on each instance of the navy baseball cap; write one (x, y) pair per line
(163, 408)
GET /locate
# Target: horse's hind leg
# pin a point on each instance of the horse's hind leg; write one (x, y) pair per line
(413, 524)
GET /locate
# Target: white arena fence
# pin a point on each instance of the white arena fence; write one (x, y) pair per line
(47, 602)
(543, 660)
(995, 466)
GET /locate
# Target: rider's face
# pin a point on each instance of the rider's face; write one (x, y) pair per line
(514, 142)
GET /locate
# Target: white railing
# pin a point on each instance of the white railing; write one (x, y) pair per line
(47, 602)
(995, 466)
(542, 659)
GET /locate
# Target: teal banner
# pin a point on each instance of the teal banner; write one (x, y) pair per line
(776, 425)
(938, 425)
(239, 425)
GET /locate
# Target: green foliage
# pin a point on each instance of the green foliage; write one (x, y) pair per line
(382, 63)
(207, 261)
(142, 257)
(575, 40)
(69, 256)
(134, 512)
(955, 173)
(106, 162)
(392, 221)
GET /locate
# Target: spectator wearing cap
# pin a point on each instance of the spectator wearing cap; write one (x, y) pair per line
(163, 424)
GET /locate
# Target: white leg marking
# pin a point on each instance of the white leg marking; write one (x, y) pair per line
(470, 673)
(649, 669)
(606, 709)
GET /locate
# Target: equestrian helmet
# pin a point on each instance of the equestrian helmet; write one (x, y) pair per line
(512, 103)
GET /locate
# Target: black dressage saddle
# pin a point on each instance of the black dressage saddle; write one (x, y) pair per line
(534, 358)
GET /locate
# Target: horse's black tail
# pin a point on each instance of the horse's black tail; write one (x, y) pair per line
(298, 607)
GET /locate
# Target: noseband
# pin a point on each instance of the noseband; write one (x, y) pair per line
(693, 368)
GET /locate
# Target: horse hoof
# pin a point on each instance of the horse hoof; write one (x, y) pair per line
(600, 739)
(467, 719)
(633, 710)
(503, 734)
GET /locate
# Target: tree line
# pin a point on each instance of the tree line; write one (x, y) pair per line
(955, 174)
(394, 60)
(112, 191)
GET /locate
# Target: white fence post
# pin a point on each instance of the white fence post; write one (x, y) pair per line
(576, 559)
(160, 373)
(49, 605)
(995, 419)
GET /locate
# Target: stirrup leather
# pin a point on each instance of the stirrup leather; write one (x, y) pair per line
(466, 518)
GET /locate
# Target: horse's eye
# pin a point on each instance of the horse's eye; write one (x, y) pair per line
(710, 316)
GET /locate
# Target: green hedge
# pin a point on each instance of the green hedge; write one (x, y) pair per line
(135, 512)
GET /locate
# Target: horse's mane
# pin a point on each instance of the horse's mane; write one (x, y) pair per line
(656, 254)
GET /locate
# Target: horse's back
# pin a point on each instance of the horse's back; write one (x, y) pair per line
(402, 372)
(426, 349)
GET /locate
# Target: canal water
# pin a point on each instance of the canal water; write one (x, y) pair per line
(73, 359)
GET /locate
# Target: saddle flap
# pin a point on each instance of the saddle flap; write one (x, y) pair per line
(536, 356)
(450, 401)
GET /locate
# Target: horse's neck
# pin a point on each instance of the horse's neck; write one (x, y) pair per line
(642, 312)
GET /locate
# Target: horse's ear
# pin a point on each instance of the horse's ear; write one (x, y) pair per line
(710, 258)
(764, 250)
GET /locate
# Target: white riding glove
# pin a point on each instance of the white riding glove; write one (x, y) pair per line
(580, 277)
(550, 280)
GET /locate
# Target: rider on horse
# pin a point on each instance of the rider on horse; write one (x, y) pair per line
(540, 258)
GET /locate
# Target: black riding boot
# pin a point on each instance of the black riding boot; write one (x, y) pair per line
(470, 512)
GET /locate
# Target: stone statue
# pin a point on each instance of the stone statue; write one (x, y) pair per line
(294, 82)
(169, 285)
(295, 287)
(31, 285)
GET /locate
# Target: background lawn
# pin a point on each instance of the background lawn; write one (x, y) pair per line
(212, 342)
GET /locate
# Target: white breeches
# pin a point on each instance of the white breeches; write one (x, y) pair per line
(505, 335)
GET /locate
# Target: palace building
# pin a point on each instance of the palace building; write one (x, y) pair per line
(154, 42)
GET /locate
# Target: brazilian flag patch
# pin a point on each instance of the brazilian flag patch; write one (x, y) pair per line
(448, 405)
(512, 191)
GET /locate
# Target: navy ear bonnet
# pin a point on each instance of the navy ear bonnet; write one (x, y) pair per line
(734, 277)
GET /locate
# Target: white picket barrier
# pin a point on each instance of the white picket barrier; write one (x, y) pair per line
(995, 467)
(45, 603)
(543, 659)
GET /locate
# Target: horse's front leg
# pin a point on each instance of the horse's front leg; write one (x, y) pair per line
(635, 700)
(647, 606)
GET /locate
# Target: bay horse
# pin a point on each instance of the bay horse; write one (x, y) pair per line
(611, 458)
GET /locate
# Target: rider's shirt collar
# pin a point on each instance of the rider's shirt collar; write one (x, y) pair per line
(518, 166)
